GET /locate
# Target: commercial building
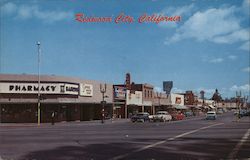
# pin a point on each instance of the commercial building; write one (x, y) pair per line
(70, 99)
(132, 98)
(74, 99)
(162, 102)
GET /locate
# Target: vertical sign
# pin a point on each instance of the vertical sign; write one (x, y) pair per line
(167, 86)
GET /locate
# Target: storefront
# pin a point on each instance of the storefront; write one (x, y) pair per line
(70, 99)
(162, 102)
(134, 102)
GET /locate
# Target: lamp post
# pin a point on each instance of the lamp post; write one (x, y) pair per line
(103, 91)
(38, 95)
(238, 95)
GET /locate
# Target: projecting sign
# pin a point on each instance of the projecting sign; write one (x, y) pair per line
(44, 88)
(86, 90)
(120, 92)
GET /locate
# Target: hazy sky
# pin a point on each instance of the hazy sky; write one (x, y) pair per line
(207, 49)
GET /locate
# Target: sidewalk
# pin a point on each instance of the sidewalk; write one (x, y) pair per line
(64, 123)
(245, 119)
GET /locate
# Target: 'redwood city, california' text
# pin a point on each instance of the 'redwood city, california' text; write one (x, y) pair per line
(123, 18)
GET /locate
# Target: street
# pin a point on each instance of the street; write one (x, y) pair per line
(193, 138)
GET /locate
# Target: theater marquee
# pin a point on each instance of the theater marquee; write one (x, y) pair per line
(45, 88)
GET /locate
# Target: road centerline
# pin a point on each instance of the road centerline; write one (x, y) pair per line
(164, 141)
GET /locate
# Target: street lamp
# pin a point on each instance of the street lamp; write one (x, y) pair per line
(238, 95)
(38, 95)
(103, 90)
(159, 99)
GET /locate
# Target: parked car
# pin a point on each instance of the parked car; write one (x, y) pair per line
(177, 116)
(140, 117)
(211, 115)
(162, 116)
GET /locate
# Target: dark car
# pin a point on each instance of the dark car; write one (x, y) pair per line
(243, 113)
(248, 113)
(140, 117)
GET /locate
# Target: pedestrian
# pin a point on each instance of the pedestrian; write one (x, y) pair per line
(53, 118)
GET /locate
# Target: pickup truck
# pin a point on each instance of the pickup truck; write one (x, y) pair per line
(162, 116)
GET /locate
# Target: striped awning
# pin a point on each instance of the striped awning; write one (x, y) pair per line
(210, 106)
(180, 107)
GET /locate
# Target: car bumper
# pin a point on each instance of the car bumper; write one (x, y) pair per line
(211, 118)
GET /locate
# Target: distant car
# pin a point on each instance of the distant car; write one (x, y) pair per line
(211, 115)
(140, 117)
(220, 111)
(162, 116)
(236, 112)
(177, 116)
(189, 114)
(242, 113)
(248, 113)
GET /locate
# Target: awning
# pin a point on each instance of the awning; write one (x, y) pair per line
(211, 106)
(180, 107)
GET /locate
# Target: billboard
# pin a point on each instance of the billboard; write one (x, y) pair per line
(177, 99)
(134, 98)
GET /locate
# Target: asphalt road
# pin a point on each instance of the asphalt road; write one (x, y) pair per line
(193, 138)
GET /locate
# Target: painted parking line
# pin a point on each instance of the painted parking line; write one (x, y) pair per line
(164, 141)
(239, 144)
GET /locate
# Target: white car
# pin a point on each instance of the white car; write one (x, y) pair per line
(211, 115)
(162, 116)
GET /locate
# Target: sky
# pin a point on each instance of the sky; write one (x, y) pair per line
(207, 49)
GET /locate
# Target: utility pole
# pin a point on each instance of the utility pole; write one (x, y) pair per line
(38, 95)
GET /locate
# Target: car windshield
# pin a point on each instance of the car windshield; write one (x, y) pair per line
(140, 114)
(211, 113)
(161, 113)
